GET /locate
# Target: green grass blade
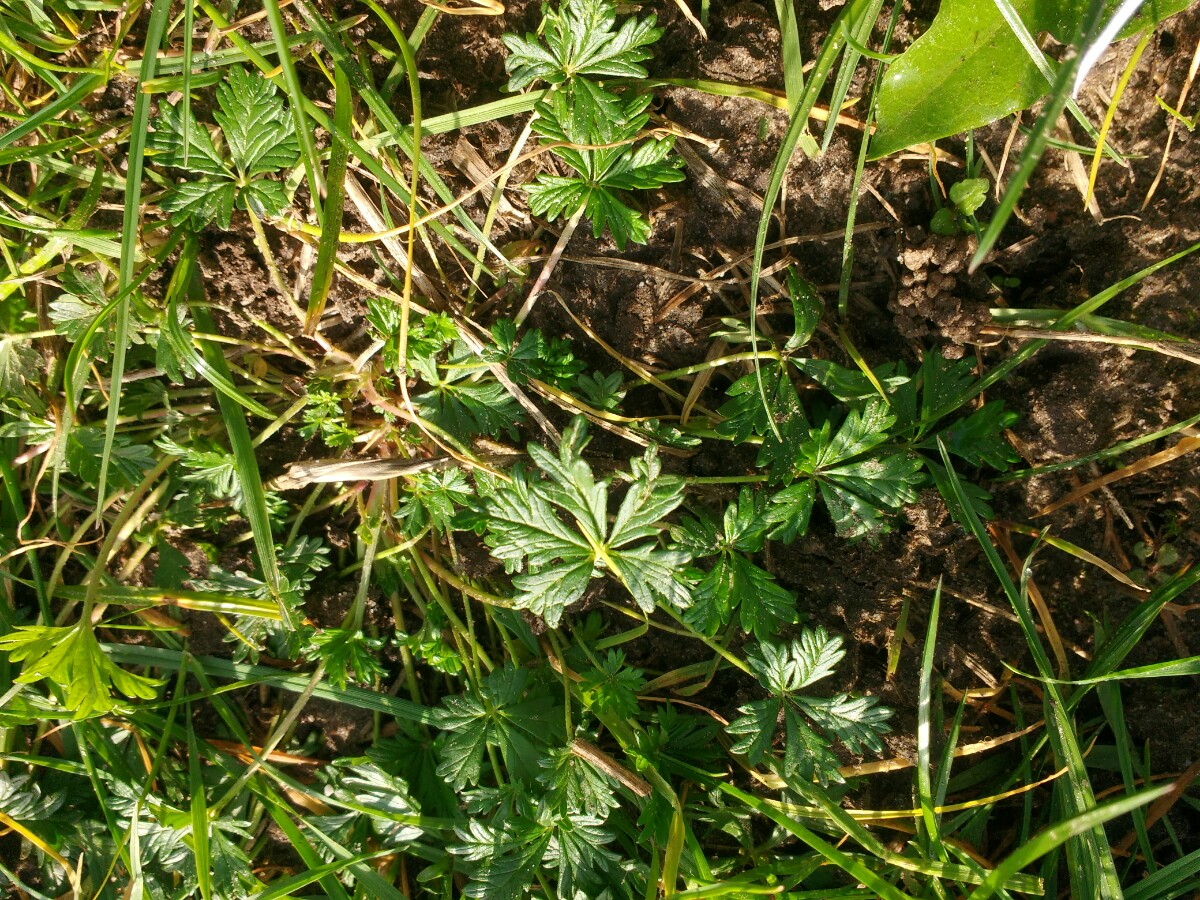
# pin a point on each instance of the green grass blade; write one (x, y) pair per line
(1032, 155)
(859, 34)
(199, 810)
(335, 197)
(834, 43)
(836, 857)
(1094, 873)
(1113, 708)
(793, 56)
(1120, 643)
(306, 851)
(1056, 835)
(171, 660)
(130, 229)
(70, 100)
(1174, 880)
(925, 725)
(291, 84)
(249, 478)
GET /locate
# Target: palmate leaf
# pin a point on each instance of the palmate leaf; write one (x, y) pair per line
(506, 713)
(384, 797)
(524, 530)
(979, 438)
(734, 582)
(860, 483)
(257, 127)
(70, 657)
(809, 723)
(19, 363)
(74, 311)
(580, 39)
(200, 202)
(574, 785)
(507, 855)
(615, 164)
(467, 408)
(183, 144)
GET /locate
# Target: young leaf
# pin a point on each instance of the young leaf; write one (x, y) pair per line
(71, 658)
(785, 670)
(350, 655)
(613, 688)
(525, 531)
(859, 490)
(734, 582)
(580, 40)
(620, 165)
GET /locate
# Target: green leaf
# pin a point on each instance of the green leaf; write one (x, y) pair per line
(535, 356)
(383, 798)
(73, 312)
(970, 69)
(468, 408)
(979, 438)
(264, 197)
(525, 530)
(612, 688)
(786, 669)
(507, 854)
(574, 785)
(849, 385)
(620, 165)
(200, 202)
(182, 143)
(859, 490)
(969, 194)
(807, 308)
(734, 582)
(506, 714)
(349, 655)
(580, 39)
(257, 127)
(129, 461)
(71, 658)
(18, 362)
(744, 412)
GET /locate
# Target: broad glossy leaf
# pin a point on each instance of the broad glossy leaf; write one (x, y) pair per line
(970, 69)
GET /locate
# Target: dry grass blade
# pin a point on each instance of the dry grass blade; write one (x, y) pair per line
(1185, 446)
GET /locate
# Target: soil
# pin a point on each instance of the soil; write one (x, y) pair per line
(911, 292)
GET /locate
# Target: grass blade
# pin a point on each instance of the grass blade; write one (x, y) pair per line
(130, 230)
(1094, 872)
(171, 660)
(335, 197)
(1032, 155)
(1056, 835)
